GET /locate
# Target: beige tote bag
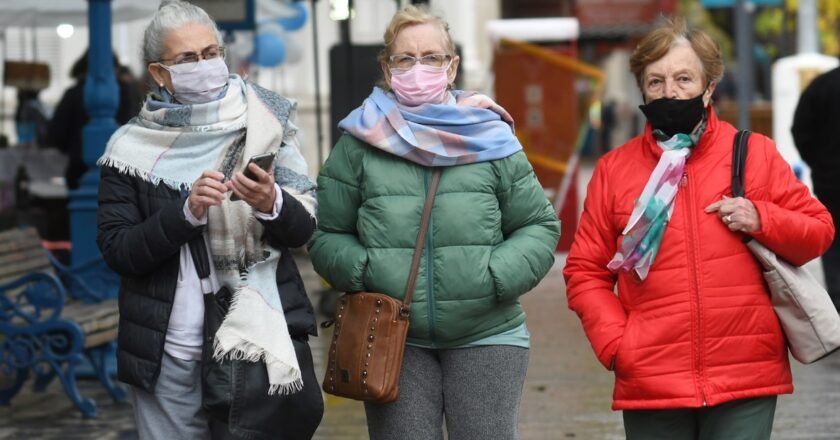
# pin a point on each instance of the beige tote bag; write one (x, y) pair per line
(808, 317)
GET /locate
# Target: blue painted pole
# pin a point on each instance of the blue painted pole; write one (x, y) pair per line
(101, 101)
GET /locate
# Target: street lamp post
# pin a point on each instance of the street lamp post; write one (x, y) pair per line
(101, 101)
(807, 32)
(744, 49)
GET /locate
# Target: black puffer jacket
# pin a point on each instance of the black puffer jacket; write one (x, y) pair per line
(141, 228)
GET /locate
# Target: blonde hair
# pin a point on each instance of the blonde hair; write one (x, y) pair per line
(408, 16)
(658, 42)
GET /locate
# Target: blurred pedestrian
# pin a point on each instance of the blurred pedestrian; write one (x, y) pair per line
(71, 116)
(491, 238)
(31, 119)
(690, 332)
(166, 212)
(813, 133)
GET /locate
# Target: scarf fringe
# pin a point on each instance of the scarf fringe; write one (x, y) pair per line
(246, 352)
(133, 171)
(252, 353)
(289, 388)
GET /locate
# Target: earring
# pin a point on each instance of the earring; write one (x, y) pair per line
(161, 85)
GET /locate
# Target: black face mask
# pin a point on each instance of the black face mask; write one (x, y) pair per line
(672, 116)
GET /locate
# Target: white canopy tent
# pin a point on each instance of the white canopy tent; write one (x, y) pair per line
(49, 13)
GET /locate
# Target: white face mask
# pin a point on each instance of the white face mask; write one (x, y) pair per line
(198, 83)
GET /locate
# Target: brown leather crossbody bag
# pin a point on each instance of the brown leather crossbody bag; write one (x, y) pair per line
(367, 348)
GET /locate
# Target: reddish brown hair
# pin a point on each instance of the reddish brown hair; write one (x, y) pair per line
(658, 42)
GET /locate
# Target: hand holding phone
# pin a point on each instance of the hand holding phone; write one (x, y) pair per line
(265, 161)
(208, 190)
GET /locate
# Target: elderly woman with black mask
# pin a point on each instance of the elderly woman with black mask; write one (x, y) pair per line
(691, 335)
(176, 196)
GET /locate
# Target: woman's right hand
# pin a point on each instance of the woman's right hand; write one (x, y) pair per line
(208, 190)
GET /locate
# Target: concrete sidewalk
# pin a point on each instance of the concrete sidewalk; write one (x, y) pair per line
(567, 392)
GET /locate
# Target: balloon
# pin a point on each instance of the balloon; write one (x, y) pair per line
(269, 50)
(295, 21)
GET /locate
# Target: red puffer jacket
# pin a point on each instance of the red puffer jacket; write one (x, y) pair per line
(700, 330)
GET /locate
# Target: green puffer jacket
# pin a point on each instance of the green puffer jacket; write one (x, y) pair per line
(491, 238)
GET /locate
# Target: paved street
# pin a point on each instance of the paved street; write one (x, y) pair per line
(567, 393)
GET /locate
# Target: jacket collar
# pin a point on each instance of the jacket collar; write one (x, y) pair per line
(707, 139)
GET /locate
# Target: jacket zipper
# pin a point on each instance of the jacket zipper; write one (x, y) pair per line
(430, 289)
(695, 292)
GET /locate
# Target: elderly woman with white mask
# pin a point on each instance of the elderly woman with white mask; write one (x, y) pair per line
(490, 240)
(182, 216)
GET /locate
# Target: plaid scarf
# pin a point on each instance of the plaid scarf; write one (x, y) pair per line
(173, 144)
(653, 209)
(468, 128)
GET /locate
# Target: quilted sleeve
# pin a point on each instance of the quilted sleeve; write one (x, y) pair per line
(131, 244)
(794, 224)
(336, 252)
(530, 228)
(589, 284)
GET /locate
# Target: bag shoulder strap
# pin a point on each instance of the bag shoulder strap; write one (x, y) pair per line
(198, 251)
(739, 161)
(421, 240)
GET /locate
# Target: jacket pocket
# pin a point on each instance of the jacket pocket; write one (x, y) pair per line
(624, 355)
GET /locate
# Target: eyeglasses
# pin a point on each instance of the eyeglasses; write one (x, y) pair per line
(408, 61)
(208, 53)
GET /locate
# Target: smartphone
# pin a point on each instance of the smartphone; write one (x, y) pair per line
(264, 161)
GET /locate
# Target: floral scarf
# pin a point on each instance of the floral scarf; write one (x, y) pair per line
(653, 208)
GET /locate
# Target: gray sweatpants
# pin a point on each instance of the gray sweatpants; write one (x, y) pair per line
(476, 389)
(173, 411)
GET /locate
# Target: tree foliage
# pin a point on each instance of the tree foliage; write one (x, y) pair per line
(776, 27)
(700, 18)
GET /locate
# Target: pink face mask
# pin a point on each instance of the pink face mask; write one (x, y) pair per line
(420, 84)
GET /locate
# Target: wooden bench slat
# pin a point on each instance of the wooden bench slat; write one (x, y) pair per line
(16, 248)
(30, 260)
(100, 338)
(104, 323)
(11, 250)
(12, 239)
(93, 318)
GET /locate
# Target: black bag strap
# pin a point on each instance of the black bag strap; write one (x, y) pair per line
(198, 250)
(421, 239)
(739, 161)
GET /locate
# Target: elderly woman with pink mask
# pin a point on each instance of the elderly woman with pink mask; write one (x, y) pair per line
(180, 220)
(490, 240)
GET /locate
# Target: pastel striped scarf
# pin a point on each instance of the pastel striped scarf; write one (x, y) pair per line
(468, 128)
(653, 209)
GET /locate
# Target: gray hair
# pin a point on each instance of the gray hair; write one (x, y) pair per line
(172, 14)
